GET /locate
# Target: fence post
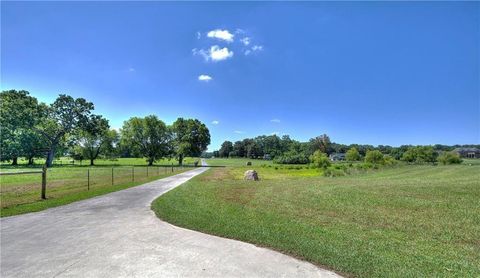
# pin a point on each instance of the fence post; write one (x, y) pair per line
(44, 182)
(88, 179)
(158, 170)
(133, 173)
(172, 167)
(112, 175)
(147, 171)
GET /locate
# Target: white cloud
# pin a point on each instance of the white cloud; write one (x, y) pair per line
(215, 53)
(246, 40)
(221, 35)
(275, 121)
(275, 133)
(247, 52)
(257, 47)
(204, 77)
(199, 35)
(239, 132)
(131, 69)
(215, 122)
(218, 54)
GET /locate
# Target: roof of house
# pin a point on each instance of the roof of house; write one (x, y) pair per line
(466, 150)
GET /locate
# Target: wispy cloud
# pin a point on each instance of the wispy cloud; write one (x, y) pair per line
(130, 69)
(215, 122)
(255, 48)
(199, 35)
(275, 133)
(204, 78)
(224, 35)
(275, 121)
(215, 53)
(239, 132)
(246, 41)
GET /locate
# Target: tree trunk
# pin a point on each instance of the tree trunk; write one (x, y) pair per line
(50, 157)
(91, 162)
(180, 159)
(30, 161)
(15, 161)
(150, 161)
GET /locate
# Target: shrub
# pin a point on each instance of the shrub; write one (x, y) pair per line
(449, 158)
(352, 155)
(374, 157)
(320, 160)
(420, 154)
(291, 158)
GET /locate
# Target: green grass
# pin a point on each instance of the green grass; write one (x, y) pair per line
(229, 162)
(21, 193)
(407, 221)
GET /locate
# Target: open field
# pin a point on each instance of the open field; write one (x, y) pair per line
(406, 221)
(236, 161)
(66, 161)
(21, 193)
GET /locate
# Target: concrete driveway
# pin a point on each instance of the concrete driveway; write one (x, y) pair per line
(117, 235)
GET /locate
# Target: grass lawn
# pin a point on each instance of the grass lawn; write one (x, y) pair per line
(236, 162)
(408, 221)
(21, 193)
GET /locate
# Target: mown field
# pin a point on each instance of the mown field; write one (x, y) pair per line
(405, 221)
(67, 183)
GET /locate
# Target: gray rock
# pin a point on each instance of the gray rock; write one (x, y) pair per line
(251, 175)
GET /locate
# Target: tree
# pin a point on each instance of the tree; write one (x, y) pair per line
(420, 154)
(96, 138)
(148, 137)
(65, 115)
(352, 154)
(191, 138)
(374, 157)
(321, 143)
(320, 159)
(18, 113)
(226, 148)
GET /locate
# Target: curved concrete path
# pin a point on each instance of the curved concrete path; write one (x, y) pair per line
(117, 235)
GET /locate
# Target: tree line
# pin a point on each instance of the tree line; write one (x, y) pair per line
(285, 150)
(32, 129)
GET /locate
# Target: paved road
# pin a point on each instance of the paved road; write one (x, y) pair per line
(117, 235)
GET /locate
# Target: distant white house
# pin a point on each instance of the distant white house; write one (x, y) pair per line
(337, 156)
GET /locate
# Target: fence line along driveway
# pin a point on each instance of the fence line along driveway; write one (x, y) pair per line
(117, 235)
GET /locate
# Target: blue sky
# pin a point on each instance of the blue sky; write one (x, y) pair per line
(370, 72)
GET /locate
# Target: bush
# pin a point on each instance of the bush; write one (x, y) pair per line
(420, 154)
(320, 160)
(352, 155)
(291, 158)
(374, 157)
(449, 158)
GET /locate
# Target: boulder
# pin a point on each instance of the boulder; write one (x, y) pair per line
(251, 175)
(249, 163)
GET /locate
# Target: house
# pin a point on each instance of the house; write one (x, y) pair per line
(468, 152)
(337, 156)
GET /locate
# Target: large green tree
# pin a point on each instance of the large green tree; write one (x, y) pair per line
(148, 137)
(225, 149)
(95, 139)
(18, 113)
(64, 116)
(321, 143)
(191, 138)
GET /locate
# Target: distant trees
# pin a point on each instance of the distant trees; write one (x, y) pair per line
(149, 137)
(352, 155)
(420, 154)
(190, 138)
(321, 143)
(225, 149)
